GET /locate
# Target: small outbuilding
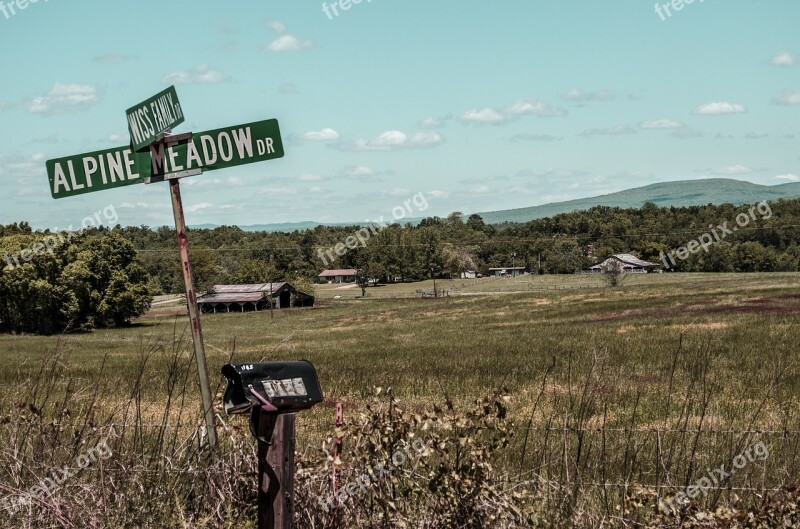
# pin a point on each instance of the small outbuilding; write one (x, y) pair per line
(508, 271)
(347, 275)
(624, 262)
(249, 298)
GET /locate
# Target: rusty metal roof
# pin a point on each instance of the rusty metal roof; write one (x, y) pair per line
(241, 293)
(343, 272)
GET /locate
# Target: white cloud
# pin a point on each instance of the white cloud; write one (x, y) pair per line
(315, 189)
(200, 74)
(326, 134)
(288, 88)
(719, 108)
(522, 107)
(486, 115)
(358, 170)
(64, 98)
(660, 124)
(393, 140)
(23, 165)
(277, 27)
(482, 189)
(438, 194)
(198, 207)
(784, 58)
(234, 181)
(289, 43)
(431, 123)
(579, 96)
(117, 138)
(363, 174)
(277, 191)
(787, 98)
(736, 169)
(397, 192)
(788, 177)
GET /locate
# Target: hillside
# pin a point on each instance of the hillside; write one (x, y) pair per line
(679, 194)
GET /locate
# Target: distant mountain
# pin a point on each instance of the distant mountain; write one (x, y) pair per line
(679, 194)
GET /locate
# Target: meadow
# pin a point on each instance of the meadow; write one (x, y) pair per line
(613, 392)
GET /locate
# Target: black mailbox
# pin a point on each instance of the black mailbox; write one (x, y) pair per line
(271, 387)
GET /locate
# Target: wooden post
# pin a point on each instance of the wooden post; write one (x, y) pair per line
(337, 454)
(194, 316)
(276, 471)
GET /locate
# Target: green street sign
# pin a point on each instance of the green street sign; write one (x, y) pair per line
(219, 149)
(150, 118)
(216, 149)
(96, 171)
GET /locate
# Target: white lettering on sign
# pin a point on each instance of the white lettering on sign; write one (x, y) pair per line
(289, 387)
(114, 166)
(206, 150)
(141, 125)
(154, 117)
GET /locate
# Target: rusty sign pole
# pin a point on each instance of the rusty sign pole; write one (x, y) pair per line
(276, 471)
(194, 316)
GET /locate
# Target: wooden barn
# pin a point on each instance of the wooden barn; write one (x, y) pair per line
(624, 262)
(249, 298)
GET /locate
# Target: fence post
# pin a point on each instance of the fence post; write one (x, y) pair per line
(276, 471)
(337, 454)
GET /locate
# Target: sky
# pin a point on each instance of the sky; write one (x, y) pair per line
(479, 106)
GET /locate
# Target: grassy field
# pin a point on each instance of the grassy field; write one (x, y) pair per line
(646, 383)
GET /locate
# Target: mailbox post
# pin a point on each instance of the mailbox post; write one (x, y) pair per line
(273, 393)
(276, 471)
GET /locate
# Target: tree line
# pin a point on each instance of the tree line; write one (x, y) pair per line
(448, 246)
(107, 276)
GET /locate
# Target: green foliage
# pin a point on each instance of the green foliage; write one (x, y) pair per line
(87, 280)
(431, 468)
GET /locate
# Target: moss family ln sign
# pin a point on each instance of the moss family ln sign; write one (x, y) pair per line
(148, 119)
(215, 149)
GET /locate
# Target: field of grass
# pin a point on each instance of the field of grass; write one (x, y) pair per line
(650, 383)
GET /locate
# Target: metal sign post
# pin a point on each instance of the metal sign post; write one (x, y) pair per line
(194, 315)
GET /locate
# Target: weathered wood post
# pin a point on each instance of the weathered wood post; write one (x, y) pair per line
(273, 393)
(276, 471)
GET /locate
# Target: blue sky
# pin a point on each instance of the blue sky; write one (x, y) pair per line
(481, 106)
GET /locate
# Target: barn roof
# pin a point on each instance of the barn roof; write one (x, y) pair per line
(633, 260)
(341, 272)
(241, 293)
(625, 258)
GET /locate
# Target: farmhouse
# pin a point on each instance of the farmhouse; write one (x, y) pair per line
(624, 262)
(248, 298)
(347, 275)
(512, 271)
